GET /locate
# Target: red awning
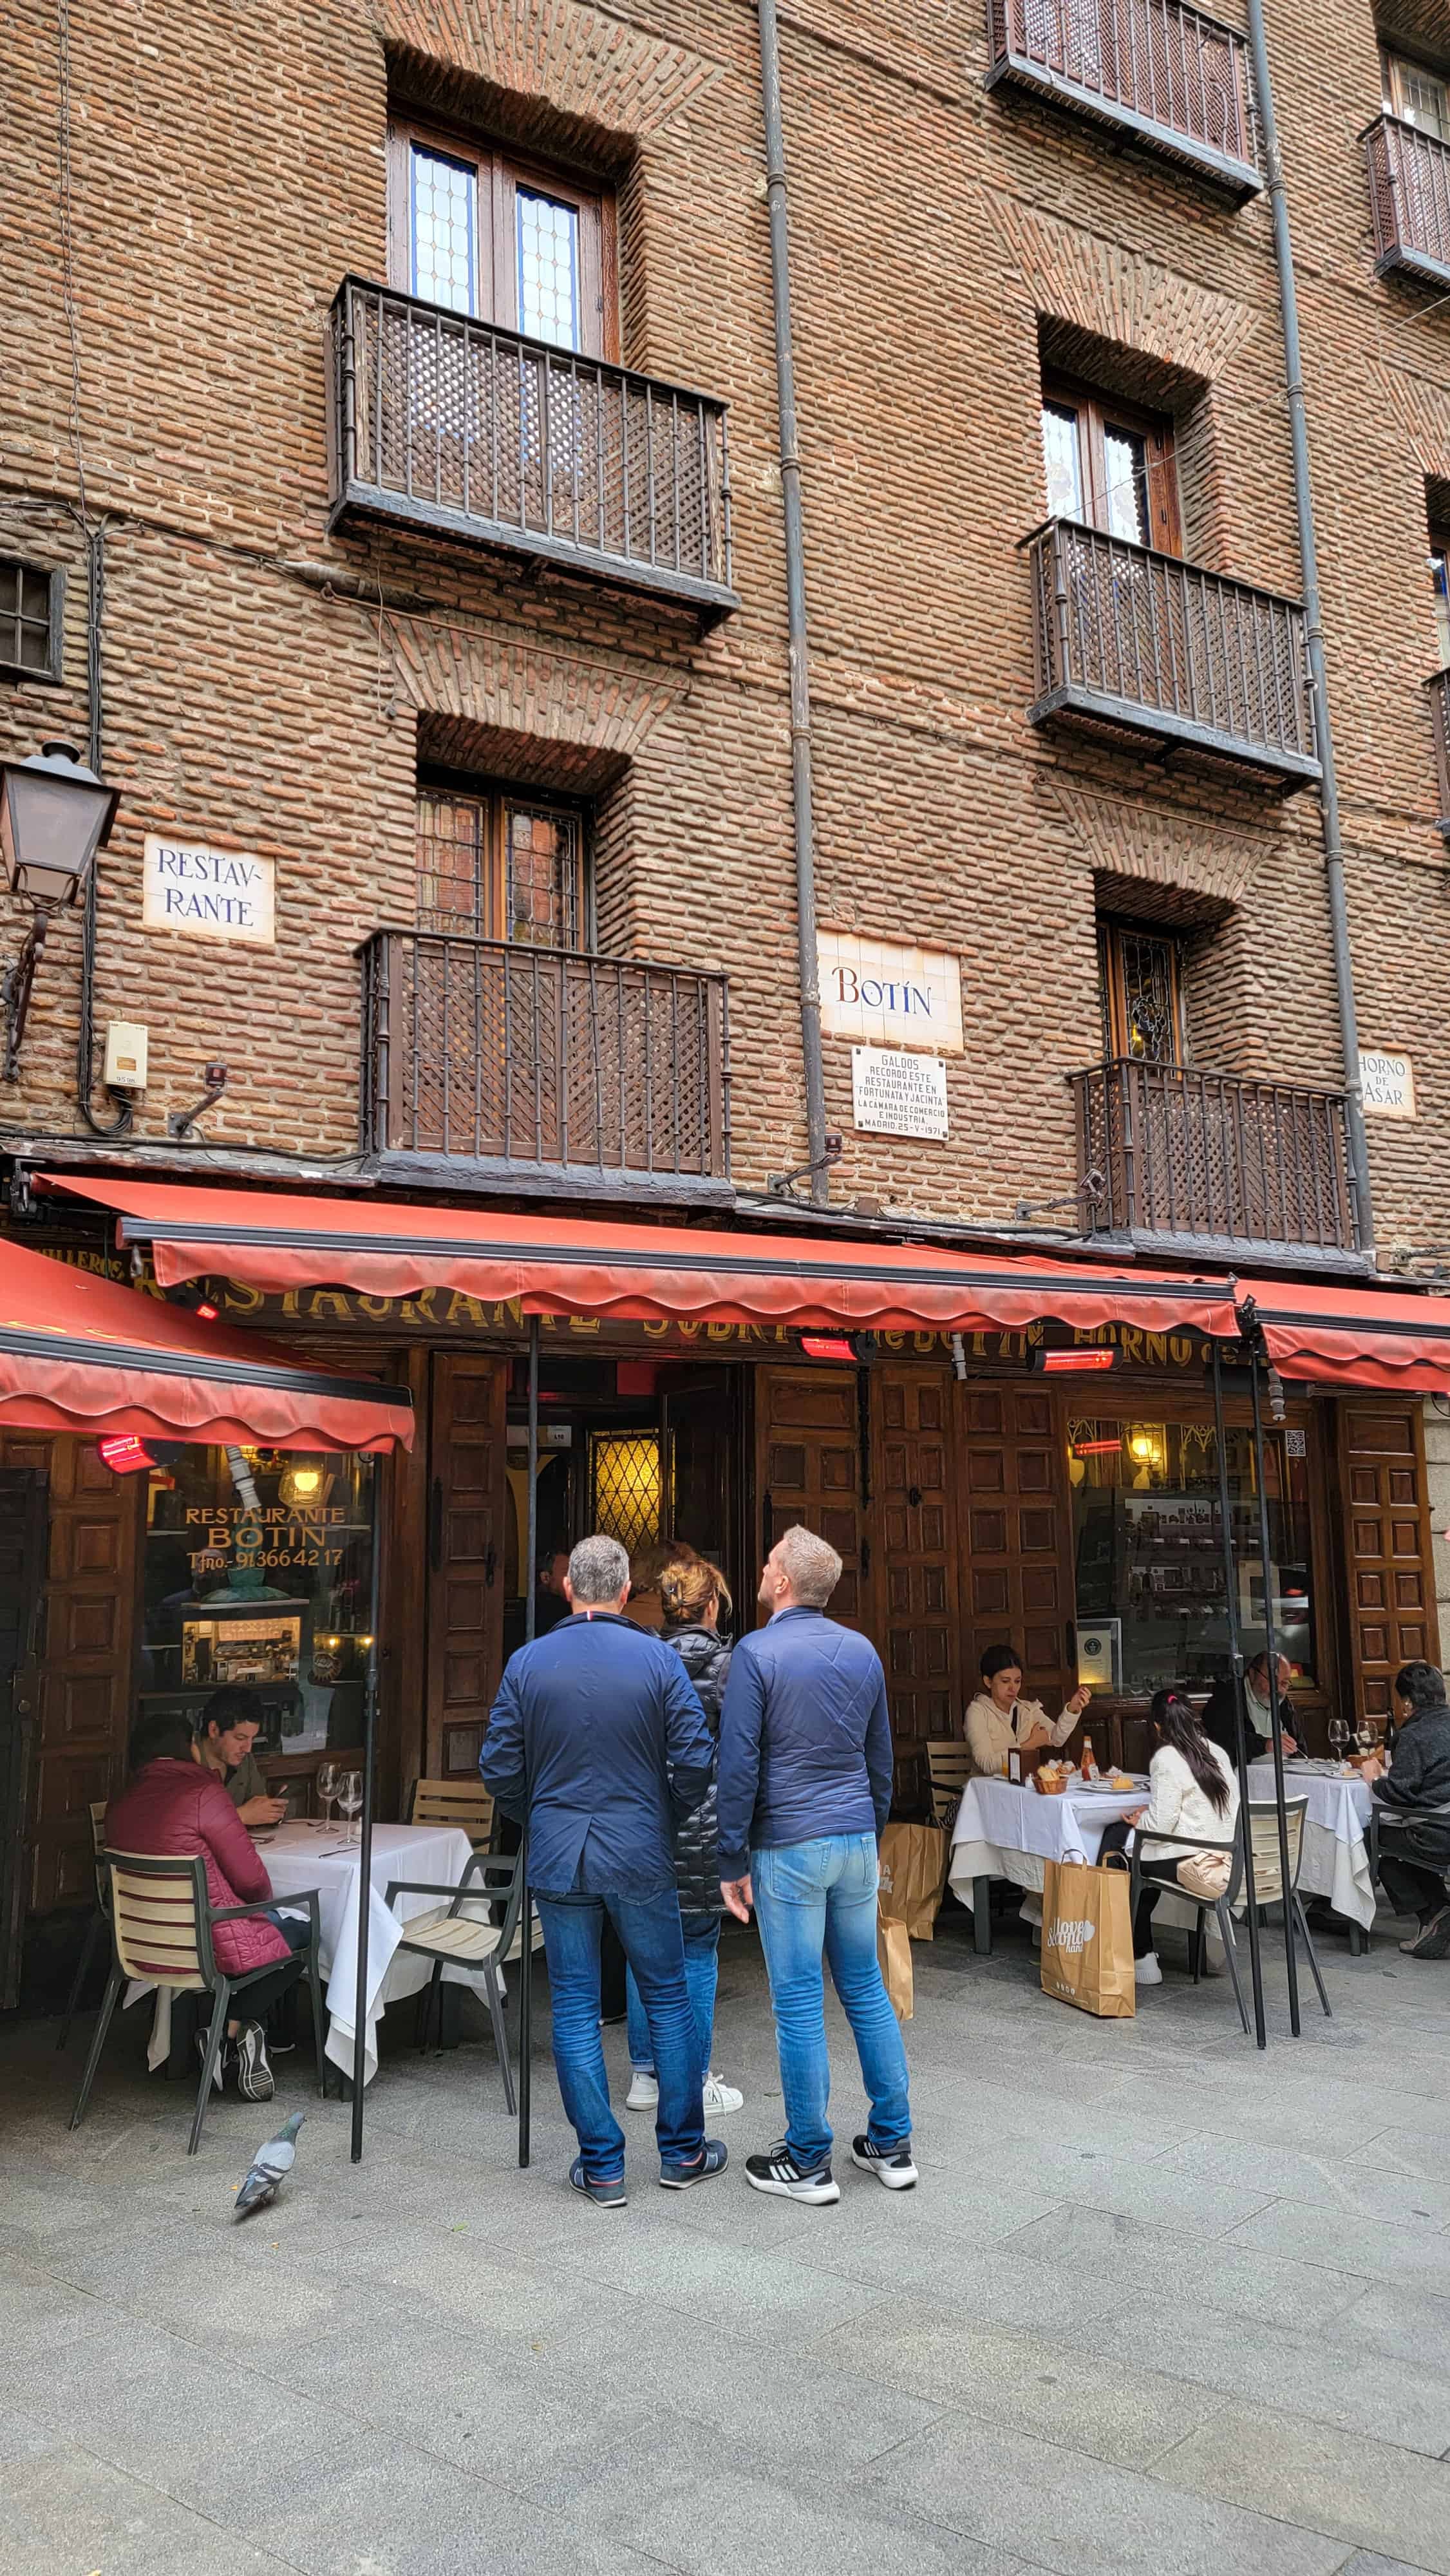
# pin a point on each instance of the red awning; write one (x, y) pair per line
(652, 1273)
(1368, 1336)
(78, 1353)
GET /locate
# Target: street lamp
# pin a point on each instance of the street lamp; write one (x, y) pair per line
(54, 816)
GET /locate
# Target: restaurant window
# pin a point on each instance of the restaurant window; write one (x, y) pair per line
(1142, 993)
(483, 232)
(1439, 562)
(258, 1570)
(502, 866)
(1417, 95)
(31, 604)
(1110, 466)
(1151, 1600)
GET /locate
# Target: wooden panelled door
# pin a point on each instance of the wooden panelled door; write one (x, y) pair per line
(808, 1468)
(1387, 1547)
(1016, 1566)
(467, 1501)
(914, 1487)
(23, 1492)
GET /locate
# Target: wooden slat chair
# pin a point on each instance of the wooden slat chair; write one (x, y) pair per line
(161, 1933)
(949, 1767)
(99, 1925)
(465, 1803)
(458, 1933)
(1263, 1824)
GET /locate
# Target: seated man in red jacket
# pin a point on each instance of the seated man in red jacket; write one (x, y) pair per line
(172, 1804)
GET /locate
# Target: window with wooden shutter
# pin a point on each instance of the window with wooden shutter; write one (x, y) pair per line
(1110, 466)
(484, 232)
(1141, 993)
(1416, 94)
(502, 865)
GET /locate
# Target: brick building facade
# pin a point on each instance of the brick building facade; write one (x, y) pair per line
(190, 197)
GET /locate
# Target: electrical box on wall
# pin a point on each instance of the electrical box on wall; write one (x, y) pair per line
(125, 1055)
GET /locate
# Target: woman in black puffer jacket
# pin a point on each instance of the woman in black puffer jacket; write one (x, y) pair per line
(693, 1598)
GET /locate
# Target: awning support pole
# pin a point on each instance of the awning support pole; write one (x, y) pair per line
(1236, 1664)
(1276, 1735)
(526, 1911)
(365, 1856)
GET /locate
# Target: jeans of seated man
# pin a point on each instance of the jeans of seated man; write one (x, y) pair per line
(702, 1976)
(809, 1898)
(649, 1928)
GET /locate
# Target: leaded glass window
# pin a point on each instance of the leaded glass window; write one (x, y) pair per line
(444, 229)
(548, 256)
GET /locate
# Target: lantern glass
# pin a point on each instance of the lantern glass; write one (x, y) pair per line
(54, 816)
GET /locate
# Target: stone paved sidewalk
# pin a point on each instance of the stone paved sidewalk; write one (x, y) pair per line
(1159, 2304)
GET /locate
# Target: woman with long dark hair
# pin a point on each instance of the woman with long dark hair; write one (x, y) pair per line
(1193, 1789)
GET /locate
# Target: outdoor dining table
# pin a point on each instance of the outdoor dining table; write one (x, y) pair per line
(1335, 1859)
(1007, 1830)
(302, 1855)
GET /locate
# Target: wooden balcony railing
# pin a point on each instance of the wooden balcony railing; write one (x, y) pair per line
(1175, 79)
(1409, 194)
(1439, 687)
(1209, 1158)
(1145, 643)
(503, 1054)
(457, 425)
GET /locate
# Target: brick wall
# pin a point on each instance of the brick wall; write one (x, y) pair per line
(943, 238)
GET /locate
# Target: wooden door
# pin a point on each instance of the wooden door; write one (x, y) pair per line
(808, 1467)
(1016, 1565)
(914, 1496)
(22, 1577)
(698, 1441)
(86, 1677)
(468, 1498)
(1387, 1544)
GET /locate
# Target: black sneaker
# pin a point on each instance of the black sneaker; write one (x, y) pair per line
(891, 2165)
(605, 2195)
(255, 2079)
(1432, 1941)
(779, 2172)
(225, 2059)
(713, 2159)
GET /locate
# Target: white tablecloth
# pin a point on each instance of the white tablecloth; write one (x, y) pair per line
(1335, 1859)
(1003, 1831)
(299, 1856)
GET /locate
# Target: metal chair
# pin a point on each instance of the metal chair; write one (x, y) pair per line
(100, 1922)
(449, 1936)
(949, 1766)
(1263, 1825)
(161, 1931)
(465, 1803)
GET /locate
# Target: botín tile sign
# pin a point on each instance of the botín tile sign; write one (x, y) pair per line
(896, 1094)
(887, 996)
(1388, 1080)
(208, 894)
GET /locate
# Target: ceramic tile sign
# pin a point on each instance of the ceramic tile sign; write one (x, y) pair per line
(207, 894)
(1389, 1083)
(887, 996)
(895, 1094)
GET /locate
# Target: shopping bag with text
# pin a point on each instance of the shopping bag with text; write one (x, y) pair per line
(1087, 1938)
(913, 1876)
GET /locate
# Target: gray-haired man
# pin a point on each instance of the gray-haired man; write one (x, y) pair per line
(805, 1788)
(597, 1741)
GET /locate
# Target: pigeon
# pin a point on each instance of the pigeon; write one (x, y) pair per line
(269, 2165)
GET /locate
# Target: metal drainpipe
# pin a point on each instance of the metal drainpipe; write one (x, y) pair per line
(795, 584)
(1304, 509)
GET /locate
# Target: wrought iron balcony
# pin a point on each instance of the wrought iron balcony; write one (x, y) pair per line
(1439, 687)
(537, 1063)
(1409, 194)
(1169, 1155)
(1146, 644)
(446, 423)
(1176, 80)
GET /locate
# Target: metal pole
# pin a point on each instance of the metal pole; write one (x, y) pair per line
(526, 1911)
(365, 1856)
(1271, 1649)
(1314, 628)
(1236, 1664)
(795, 589)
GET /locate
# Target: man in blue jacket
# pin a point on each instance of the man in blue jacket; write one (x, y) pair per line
(596, 1742)
(805, 1788)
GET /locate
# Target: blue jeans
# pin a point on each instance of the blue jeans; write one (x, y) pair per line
(702, 1975)
(809, 1896)
(649, 1927)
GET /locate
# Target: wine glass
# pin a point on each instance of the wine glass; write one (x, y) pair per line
(327, 1779)
(1338, 1737)
(349, 1797)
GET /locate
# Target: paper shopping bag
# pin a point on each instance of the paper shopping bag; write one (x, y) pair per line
(913, 1876)
(893, 1949)
(1087, 1938)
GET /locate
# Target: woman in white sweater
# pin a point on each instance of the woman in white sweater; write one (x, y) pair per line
(1000, 1722)
(1193, 1792)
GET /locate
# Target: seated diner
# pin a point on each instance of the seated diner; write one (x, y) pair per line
(230, 1724)
(1413, 1798)
(1193, 1791)
(1218, 1716)
(1000, 1722)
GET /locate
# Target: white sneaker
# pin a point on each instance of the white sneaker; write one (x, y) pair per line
(720, 2096)
(644, 2091)
(1146, 1972)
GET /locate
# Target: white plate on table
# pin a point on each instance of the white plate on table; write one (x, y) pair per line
(1104, 1789)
